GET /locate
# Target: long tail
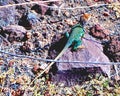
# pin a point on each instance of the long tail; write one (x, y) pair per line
(59, 55)
(49, 65)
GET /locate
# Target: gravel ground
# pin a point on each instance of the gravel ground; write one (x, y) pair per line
(39, 26)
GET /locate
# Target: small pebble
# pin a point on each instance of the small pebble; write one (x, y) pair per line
(28, 35)
(106, 14)
(69, 22)
(67, 14)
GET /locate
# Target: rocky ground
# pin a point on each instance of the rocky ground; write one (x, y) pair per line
(34, 30)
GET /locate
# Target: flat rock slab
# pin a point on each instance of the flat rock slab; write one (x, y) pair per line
(93, 52)
(14, 33)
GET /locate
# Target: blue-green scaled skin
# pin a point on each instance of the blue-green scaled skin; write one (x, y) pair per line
(75, 38)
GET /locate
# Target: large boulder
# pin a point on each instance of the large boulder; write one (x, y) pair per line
(93, 52)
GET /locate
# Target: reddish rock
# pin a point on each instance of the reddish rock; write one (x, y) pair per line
(11, 63)
(1, 62)
(99, 32)
(112, 48)
(106, 14)
(108, 1)
(17, 92)
(28, 35)
(40, 9)
(89, 2)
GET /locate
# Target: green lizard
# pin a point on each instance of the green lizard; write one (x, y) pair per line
(75, 38)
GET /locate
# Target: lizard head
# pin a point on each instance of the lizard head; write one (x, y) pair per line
(84, 18)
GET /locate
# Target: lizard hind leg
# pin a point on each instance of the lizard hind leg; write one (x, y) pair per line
(78, 45)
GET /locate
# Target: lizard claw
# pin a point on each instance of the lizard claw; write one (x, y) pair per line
(81, 47)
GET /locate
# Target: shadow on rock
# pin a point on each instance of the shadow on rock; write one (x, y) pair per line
(56, 47)
(76, 75)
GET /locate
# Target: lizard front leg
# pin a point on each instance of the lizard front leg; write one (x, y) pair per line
(67, 35)
(78, 45)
